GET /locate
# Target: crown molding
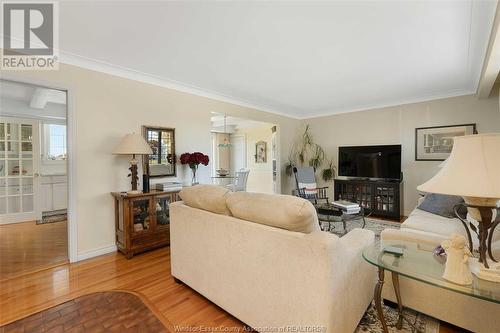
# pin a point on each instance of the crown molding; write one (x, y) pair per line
(421, 99)
(132, 74)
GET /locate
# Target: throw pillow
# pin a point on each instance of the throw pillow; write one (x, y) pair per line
(443, 205)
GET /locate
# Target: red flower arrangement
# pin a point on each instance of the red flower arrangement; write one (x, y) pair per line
(194, 159)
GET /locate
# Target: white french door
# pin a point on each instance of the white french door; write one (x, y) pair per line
(19, 170)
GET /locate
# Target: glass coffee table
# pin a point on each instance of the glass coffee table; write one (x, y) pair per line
(419, 263)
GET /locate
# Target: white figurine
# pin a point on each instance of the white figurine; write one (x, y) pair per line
(457, 257)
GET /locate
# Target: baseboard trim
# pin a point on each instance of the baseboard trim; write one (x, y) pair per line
(98, 252)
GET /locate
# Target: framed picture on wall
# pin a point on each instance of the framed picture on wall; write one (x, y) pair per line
(261, 152)
(435, 143)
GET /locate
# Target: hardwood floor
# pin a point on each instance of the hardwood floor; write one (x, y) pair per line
(28, 247)
(147, 274)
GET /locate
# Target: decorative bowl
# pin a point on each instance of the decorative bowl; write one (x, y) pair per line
(222, 172)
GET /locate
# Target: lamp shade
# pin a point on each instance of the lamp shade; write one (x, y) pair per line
(132, 144)
(472, 170)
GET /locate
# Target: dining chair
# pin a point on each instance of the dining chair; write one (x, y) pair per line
(240, 181)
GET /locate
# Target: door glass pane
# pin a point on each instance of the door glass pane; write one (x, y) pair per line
(3, 205)
(2, 148)
(140, 215)
(13, 168)
(13, 186)
(13, 132)
(3, 187)
(12, 149)
(26, 150)
(27, 203)
(14, 204)
(27, 185)
(2, 167)
(27, 167)
(162, 211)
(26, 132)
(2, 131)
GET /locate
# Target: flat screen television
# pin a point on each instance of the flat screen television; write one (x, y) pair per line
(382, 162)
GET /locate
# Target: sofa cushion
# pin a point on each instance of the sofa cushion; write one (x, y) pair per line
(207, 197)
(281, 211)
(443, 205)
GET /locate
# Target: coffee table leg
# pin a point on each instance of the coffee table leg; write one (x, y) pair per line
(397, 291)
(378, 299)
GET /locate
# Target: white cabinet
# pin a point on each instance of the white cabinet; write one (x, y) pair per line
(60, 196)
(54, 193)
(46, 197)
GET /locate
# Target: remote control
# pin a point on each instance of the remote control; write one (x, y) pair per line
(394, 250)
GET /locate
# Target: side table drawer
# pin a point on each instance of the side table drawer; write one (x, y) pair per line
(150, 241)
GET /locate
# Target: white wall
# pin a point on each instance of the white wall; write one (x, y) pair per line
(107, 107)
(260, 178)
(396, 125)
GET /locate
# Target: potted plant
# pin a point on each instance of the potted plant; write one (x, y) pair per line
(306, 152)
(329, 172)
(194, 160)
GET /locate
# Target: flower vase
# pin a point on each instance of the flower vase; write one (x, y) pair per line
(194, 180)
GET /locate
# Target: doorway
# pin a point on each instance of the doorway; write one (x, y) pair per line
(238, 157)
(33, 178)
(239, 143)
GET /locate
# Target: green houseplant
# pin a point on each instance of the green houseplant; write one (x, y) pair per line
(306, 152)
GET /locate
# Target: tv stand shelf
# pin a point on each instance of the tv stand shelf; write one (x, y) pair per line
(383, 198)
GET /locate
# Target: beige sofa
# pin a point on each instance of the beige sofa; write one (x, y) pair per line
(243, 258)
(471, 313)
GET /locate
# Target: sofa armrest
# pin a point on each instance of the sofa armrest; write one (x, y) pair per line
(355, 278)
(358, 239)
(410, 235)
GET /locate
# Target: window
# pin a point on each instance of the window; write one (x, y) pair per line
(54, 142)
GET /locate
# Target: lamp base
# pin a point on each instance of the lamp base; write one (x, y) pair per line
(483, 273)
(485, 216)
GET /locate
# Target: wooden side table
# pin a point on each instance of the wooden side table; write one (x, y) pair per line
(142, 221)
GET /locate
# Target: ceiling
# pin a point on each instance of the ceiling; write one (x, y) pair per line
(26, 100)
(228, 124)
(301, 59)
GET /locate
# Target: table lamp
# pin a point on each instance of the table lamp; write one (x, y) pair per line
(473, 172)
(133, 144)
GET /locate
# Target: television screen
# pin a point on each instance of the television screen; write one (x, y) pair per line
(370, 161)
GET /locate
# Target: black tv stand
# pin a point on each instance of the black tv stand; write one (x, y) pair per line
(383, 197)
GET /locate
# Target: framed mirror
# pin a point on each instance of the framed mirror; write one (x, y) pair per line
(162, 141)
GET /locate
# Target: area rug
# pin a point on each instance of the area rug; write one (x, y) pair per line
(52, 218)
(111, 311)
(414, 322)
(374, 225)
